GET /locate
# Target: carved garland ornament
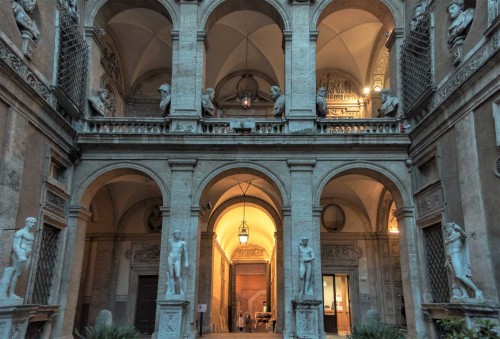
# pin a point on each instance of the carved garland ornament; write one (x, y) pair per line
(147, 253)
(20, 68)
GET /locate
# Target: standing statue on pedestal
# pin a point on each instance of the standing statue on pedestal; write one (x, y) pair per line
(21, 252)
(178, 247)
(321, 106)
(389, 104)
(306, 257)
(21, 9)
(279, 101)
(207, 105)
(458, 262)
(165, 99)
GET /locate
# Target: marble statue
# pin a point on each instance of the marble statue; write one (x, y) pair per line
(458, 262)
(178, 248)
(321, 108)
(21, 252)
(279, 101)
(100, 102)
(306, 257)
(165, 99)
(71, 7)
(207, 103)
(389, 103)
(417, 15)
(460, 20)
(21, 9)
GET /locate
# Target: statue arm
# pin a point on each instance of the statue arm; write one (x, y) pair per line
(186, 258)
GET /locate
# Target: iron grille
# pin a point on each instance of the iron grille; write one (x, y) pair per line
(438, 276)
(46, 265)
(72, 61)
(35, 330)
(416, 62)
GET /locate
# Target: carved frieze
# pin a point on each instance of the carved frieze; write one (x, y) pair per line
(250, 252)
(343, 99)
(429, 201)
(54, 203)
(110, 62)
(21, 69)
(307, 323)
(341, 252)
(146, 253)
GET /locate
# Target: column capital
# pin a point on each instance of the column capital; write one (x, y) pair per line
(165, 210)
(182, 164)
(300, 2)
(80, 213)
(404, 212)
(395, 34)
(313, 35)
(175, 34)
(317, 211)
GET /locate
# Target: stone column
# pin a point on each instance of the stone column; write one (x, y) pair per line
(177, 312)
(71, 271)
(475, 220)
(11, 176)
(303, 308)
(411, 270)
(300, 60)
(186, 95)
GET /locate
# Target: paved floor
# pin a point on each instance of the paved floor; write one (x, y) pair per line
(255, 336)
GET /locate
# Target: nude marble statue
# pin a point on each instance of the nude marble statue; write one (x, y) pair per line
(306, 257)
(458, 262)
(21, 251)
(178, 249)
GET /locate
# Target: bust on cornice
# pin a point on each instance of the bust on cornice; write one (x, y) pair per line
(207, 105)
(165, 99)
(321, 106)
(21, 9)
(389, 104)
(460, 20)
(460, 23)
(100, 102)
(279, 101)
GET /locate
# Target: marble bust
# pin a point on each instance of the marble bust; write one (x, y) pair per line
(71, 7)
(21, 252)
(21, 9)
(389, 103)
(458, 262)
(460, 20)
(100, 103)
(165, 99)
(207, 105)
(279, 101)
(178, 249)
(306, 257)
(321, 107)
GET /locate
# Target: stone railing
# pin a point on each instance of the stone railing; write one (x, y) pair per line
(122, 125)
(155, 126)
(359, 126)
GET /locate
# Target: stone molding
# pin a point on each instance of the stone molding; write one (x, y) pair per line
(429, 201)
(27, 75)
(469, 67)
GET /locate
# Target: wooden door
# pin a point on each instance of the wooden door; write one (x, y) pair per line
(145, 310)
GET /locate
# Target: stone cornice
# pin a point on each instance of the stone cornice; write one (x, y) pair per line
(29, 76)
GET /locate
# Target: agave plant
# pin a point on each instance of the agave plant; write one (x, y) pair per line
(455, 328)
(374, 330)
(102, 331)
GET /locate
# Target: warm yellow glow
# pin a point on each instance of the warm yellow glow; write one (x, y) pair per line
(366, 90)
(393, 222)
(261, 229)
(377, 88)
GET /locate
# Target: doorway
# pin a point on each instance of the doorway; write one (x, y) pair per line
(145, 311)
(337, 306)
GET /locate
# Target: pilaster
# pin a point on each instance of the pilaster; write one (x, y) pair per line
(71, 271)
(186, 69)
(301, 54)
(394, 43)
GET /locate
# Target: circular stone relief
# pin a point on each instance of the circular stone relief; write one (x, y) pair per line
(333, 218)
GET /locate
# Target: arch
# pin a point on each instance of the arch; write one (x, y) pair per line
(393, 183)
(218, 8)
(125, 217)
(388, 13)
(240, 168)
(94, 10)
(92, 183)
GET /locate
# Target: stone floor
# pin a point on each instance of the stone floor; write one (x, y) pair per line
(255, 336)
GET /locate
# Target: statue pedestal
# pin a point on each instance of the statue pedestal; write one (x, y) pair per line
(456, 50)
(14, 319)
(172, 312)
(307, 317)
